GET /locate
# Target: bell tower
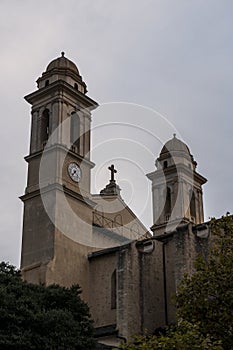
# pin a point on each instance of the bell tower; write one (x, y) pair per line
(57, 201)
(176, 188)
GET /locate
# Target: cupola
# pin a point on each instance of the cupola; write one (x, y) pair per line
(175, 152)
(176, 188)
(63, 69)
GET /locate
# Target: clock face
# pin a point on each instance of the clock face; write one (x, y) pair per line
(74, 172)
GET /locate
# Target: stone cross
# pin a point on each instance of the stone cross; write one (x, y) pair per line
(113, 171)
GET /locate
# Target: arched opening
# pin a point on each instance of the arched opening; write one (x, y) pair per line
(168, 204)
(134, 229)
(118, 220)
(76, 86)
(46, 82)
(192, 206)
(98, 216)
(75, 130)
(45, 126)
(113, 290)
(118, 223)
(165, 164)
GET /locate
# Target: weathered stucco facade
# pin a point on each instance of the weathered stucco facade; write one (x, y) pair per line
(128, 275)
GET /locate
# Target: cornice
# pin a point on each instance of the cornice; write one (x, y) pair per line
(58, 187)
(60, 86)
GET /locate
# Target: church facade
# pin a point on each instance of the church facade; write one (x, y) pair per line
(128, 273)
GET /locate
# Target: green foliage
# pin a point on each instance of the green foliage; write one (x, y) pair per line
(185, 336)
(206, 297)
(204, 300)
(38, 317)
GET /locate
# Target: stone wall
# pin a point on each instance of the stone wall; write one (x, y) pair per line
(101, 270)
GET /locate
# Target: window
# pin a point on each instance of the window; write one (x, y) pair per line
(113, 290)
(118, 220)
(192, 205)
(75, 130)
(165, 164)
(46, 83)
(134, 229)
(168, 203)
(44, 126)
(76, 86)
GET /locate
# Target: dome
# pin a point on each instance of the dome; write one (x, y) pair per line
(175, 145)
(62, 63)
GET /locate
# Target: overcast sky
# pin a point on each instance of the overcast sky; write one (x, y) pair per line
(173, 57)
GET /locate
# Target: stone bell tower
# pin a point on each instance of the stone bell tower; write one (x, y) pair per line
(176, 188)
(57, 224)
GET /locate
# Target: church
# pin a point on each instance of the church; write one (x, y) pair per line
(128, 273)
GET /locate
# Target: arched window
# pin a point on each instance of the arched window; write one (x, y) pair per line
(44, 126)
(168, 206)
(76, 86)
(113, 290)
(75, 130)
(46, 82)
(118, 220)
(192, 205)
(118, 223)
(165, 164)
(134, 228)
(98, 216)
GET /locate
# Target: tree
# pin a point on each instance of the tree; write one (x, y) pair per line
(37, 317)
(185, 336)
(204, 300)
(206, 297)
